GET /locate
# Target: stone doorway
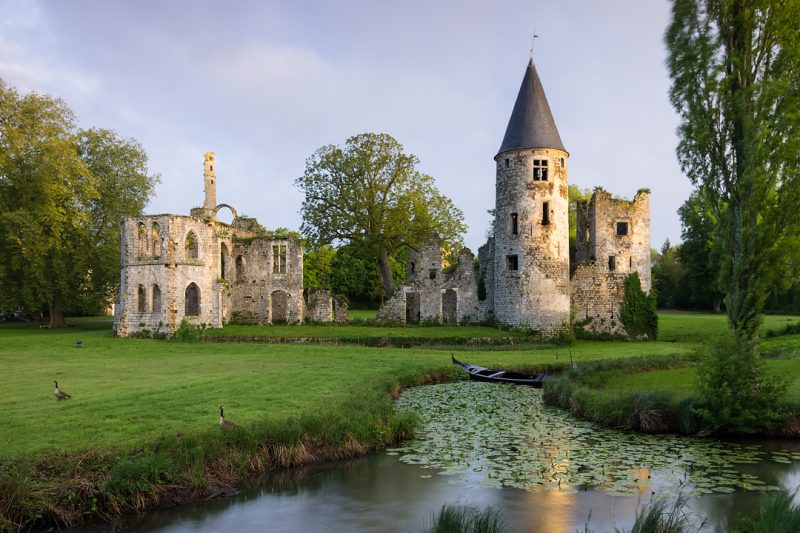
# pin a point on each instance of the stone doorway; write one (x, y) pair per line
(279, 307)
(412, 308)
(192, 300)
(450, 306)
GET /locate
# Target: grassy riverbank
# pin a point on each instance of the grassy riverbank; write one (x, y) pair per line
(141, 428)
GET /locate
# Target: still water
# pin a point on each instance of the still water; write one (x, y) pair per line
(544, 470)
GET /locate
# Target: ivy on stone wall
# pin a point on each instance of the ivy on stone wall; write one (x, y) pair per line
(638, 311)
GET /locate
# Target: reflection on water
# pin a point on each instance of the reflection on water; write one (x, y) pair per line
(380, 493)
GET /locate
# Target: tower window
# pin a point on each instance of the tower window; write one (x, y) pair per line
(432, 273)
(514, 224)
(545, 213)
(540, 170)
(413, 267)
(512, 262)
(211, 167)
(562, 161)
(508, 162)
(622, 228)
(612, 263)
(630, 263)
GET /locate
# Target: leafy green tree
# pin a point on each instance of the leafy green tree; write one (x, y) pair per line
(698, 255)
(370, 193)
(667, 276)
(117, 168)
(62, 194)
(735, 69)
(638, 310)
(318, 267)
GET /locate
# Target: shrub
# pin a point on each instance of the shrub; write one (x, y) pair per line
(779, 514)
(735, 394)
(188, 333)
(638, 311)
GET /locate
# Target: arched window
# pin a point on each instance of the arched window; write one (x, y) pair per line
(224, 261)
(141, 306)
(192, 297)
(155, 235)
(191, 246)
(240, 268)
(156, 299)
(141, 240)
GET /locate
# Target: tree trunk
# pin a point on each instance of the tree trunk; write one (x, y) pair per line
(386, 273)
(56, 316)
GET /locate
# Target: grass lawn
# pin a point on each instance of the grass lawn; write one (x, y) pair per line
(699, 327)
(127, 392)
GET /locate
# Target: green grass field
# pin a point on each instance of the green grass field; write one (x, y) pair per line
(128, 392)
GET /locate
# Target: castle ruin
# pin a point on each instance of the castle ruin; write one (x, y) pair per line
(522, 277)
(206, 271)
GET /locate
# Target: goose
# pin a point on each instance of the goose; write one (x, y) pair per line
(230, 424)
(60, 394)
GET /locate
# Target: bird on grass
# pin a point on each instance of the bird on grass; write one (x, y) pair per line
(223, 422)
(60, 394)
(79, 344)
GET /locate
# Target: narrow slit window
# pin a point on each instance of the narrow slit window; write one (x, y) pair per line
(545, 213)
(612, 263)
(630, 263)
(512, 261)
(514, 224)
(540, 170)
(508, 162)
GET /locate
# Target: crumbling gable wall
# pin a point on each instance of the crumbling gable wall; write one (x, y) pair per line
(613, 240)
(268, 281)
(449, 298)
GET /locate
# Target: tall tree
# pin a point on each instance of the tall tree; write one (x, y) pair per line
(117, 168)
(698, 255)
(62, 194)
(370, 193)
(735, 68)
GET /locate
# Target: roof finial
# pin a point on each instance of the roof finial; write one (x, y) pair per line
(533, 40)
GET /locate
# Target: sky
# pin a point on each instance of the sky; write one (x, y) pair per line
(264, 84)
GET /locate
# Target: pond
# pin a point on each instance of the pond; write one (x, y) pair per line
(484, 444)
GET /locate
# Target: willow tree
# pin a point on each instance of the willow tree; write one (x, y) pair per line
(735, 69)
(371, 194)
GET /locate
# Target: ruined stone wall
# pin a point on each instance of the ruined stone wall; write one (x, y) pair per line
(155, 258)
(531, 264)
(425, 263)
(486, 262)
(267, 284)
(320, 306)
(600, 239)
(448, 298)
(597, 296)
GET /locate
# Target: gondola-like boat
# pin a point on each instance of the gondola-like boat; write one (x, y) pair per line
(479, 373)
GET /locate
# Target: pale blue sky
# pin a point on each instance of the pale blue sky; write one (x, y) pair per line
(264, 84)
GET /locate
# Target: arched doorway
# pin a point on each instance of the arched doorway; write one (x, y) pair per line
(192, 297)
(279, 306)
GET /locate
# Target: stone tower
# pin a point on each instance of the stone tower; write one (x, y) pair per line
(531, 227)
(209, 184)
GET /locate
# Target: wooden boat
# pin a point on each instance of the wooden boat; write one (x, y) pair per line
(479, 373)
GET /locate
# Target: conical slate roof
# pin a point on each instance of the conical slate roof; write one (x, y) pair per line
(531, 124)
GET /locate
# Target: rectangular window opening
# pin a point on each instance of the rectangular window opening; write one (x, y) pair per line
(508, 163)
(612, 263)
(514, 224)
(622, 228)
(545, 213)
(512, 261)
(279, 259)
(540, 170)
(432, 273)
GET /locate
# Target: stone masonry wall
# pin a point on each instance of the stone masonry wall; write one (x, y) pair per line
(596, 299)
(536, 293)
(320, 306)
